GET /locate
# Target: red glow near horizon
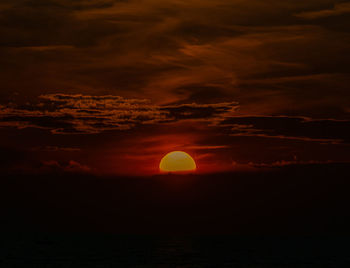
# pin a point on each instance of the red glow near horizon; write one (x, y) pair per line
(141, 157)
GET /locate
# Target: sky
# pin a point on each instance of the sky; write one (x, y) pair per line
(111, 86)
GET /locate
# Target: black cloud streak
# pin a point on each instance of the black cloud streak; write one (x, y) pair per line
(298, 128)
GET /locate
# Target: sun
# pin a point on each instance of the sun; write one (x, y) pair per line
(177, 161)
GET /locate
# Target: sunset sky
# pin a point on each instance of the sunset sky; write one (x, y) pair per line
(109, 87)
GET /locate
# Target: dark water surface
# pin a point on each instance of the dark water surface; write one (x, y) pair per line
(47, 250)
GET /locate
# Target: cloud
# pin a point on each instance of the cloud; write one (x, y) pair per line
(47, 48)
(207, 147)
(70, 167)
(76, 167)
(55, 149)
(286, 163)
(290, 128)
(85, 114)
(179, 52)
(338, 9)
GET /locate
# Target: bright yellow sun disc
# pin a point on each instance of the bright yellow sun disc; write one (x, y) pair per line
(177, 161)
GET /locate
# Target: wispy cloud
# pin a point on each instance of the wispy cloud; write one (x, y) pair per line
(70, 167)
(49, 148)
(285, 163)
(338, 9)
(325, 131)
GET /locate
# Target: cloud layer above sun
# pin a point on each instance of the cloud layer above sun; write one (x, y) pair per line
(273, 57)
(82, 114)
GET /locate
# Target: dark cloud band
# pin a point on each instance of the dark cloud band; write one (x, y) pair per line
(83, 114)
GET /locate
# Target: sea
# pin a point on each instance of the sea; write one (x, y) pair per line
(170, 251)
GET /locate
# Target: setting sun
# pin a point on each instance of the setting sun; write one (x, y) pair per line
(177, 161)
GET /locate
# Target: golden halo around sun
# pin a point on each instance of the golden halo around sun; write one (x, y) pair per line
(177, 161)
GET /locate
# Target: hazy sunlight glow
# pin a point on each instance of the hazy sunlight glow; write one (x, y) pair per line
(177, 161)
